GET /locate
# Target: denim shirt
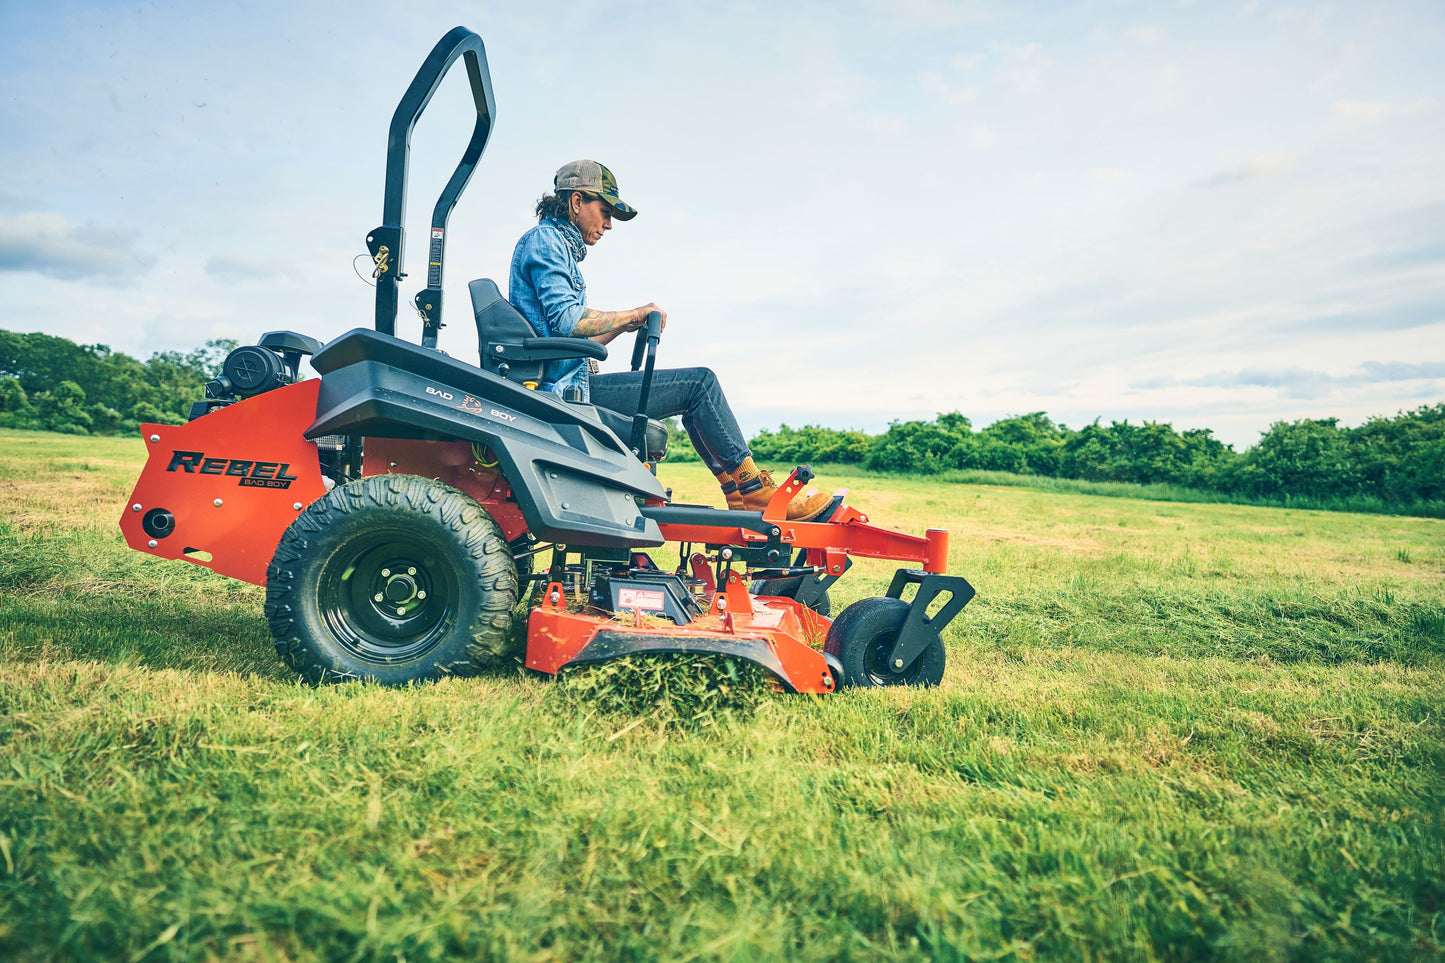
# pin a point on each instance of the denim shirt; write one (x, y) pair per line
(546, 286)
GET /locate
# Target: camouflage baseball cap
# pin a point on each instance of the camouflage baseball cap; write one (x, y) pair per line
(590, 177)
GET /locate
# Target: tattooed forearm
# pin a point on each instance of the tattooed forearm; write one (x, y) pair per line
(594, 322)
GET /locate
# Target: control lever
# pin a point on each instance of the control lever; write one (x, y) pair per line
(647, 338)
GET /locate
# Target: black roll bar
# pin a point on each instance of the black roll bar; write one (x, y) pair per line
(387, 242)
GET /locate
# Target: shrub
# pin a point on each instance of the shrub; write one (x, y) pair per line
(811, 443)
(1306, 457)
(679, 445)
(919, 447)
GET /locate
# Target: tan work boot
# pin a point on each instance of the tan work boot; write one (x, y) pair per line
(756, 487)
(730, 492)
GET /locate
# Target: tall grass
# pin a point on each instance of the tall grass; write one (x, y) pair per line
(1167, 731)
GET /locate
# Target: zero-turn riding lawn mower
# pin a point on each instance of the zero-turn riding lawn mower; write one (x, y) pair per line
(394, 507)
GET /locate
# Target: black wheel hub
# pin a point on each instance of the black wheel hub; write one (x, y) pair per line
(389, 595)
(399, 588)
(880, 670)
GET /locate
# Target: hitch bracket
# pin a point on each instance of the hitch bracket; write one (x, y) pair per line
(920, 629)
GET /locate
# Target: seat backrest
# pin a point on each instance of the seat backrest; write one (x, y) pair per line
(499, 323)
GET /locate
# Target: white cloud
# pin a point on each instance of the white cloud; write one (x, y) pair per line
(1297, 382)
(239, 269)
(1145, 35)
(1367, 111)
(1270, 163)
(1312, 19)
(933, 81)
(885, 123)
(1024, 64)
(48, 243)
(979, 136)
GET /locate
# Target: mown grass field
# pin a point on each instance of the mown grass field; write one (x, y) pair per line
(1167, 731)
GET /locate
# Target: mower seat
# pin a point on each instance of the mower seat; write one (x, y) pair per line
(511, 348)
(508, 344)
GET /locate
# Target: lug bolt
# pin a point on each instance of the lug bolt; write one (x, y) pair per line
(897, 663)
(411, 571)
(400, 610)
(378, 596)
(421, 595)
(152, 543)
(386, 573)
(296, 505)
(135, 507)
(217, 503)
(155, 438)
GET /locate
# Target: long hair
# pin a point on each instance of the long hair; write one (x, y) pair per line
(556, 206)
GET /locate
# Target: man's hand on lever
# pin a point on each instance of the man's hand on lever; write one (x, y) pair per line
(604, 326)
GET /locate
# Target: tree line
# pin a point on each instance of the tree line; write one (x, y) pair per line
(1398, 462)
(1392, 463)
(54, 384)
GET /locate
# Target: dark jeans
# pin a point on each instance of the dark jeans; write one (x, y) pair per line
(692, 393)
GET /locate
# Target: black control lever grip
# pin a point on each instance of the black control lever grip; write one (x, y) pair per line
(638, 347)
(649, 332)
(647, 337)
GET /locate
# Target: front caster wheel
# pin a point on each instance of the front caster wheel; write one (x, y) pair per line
(393, 579)
(863, 636)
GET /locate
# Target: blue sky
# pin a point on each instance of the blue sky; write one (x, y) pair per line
(1214, 214)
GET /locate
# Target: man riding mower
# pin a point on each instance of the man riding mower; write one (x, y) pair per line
(547, 287)
(396, 508)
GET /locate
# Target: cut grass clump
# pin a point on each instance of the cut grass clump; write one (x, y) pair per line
(685, 690)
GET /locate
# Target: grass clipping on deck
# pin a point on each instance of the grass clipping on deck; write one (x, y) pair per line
(686, 690)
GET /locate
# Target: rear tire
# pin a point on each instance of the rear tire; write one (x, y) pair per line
(863, 636)
(391, 579)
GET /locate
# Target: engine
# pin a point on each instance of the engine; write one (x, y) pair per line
(251, 370)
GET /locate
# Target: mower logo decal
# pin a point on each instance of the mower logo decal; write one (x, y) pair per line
(631, 598)
(249, 474)
(474, 407)
(444, 395)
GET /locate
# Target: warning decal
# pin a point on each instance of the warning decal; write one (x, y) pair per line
(631, 598)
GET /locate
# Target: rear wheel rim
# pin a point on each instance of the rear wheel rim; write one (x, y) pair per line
(389, 595)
